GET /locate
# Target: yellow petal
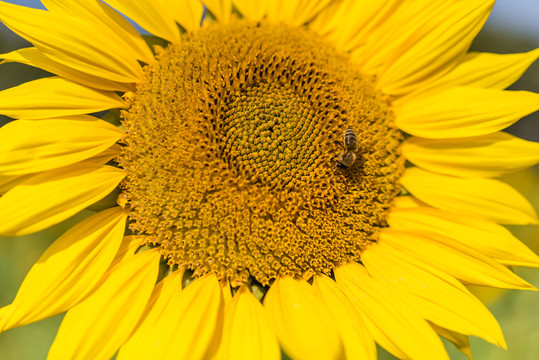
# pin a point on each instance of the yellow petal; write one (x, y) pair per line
(3, 312)
(102, 15)
(221, 9)
(246, 332)
(156, 293)
(152, 15)
(463, 111)
(358, 342)
(181, 324)
(486, 198)
(431, 293)
(187, 13)
(74, 42)
(33, 57)
(105, 156)
(227, 293)
(8, 182)
(252, 10)
(348, 23)
(326, 22)
(50, 197)
(407, 201)
(461, 342)
(430, 45)
(482, 235)
(95, 328)
(157, 304)
(291, 305)
(69, 269)
(130, 244)
(481, 156)
(294, 12)
(55, 97)
(452, 258)
(486, 70)
(31, 146)
(393, 324)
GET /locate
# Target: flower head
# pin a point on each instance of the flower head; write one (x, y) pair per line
(252, 193)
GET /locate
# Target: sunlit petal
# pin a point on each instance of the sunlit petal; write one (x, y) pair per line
(349, 23)
(461, 342)
(486, 198)
(460, 111)
(95, 328)
(294, 12)
(181, 324)
(432, 294)
(33, 57)
(151, 15)
(482, 235)
(31, 146)
(452, 258)
(73, 43)
(487, 70)
(481, 156)
(55, 97)
(69, 269)
(246, 332)
(97, 12)
(47, 198)
(290, 305)
(393, 324)
(221, 9)
(187, 13)
(358, 342)
(252, 10)
(423, 49)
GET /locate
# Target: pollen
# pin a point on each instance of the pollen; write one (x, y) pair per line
(231, 154)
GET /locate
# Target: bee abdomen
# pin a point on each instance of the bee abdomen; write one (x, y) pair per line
(350, 139)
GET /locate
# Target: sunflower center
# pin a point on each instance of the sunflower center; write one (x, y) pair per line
(258, 134)
(233, 158)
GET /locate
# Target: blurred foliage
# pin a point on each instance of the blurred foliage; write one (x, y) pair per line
(517, 311)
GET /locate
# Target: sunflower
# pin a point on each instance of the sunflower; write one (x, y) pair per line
(305, 177)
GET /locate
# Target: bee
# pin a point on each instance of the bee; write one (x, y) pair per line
(348, 156)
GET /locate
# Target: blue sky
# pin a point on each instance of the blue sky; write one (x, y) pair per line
(518, 16)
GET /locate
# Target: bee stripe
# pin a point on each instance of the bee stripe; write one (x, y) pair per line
(350, 139)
